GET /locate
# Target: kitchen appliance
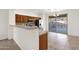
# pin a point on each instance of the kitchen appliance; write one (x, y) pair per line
(32, 23)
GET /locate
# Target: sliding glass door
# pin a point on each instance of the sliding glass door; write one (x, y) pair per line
(58, 24)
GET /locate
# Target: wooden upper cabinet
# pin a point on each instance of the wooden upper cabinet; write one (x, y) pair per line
(35, 18)
(30, 17)
(18, 18)
(24, 18)
(21, 18)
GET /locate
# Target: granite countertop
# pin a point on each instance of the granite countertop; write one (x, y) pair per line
(25, 27)
(41, 31)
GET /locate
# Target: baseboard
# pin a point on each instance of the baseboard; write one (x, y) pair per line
(74, 36)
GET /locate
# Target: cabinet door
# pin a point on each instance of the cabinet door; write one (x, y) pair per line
(18, 18)
(26, 18)
(23, 19)
(43, 42)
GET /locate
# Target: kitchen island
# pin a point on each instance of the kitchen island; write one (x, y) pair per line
(30, 37)
(26, 37)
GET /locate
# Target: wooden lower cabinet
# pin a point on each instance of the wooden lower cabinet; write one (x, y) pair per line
(43, 41)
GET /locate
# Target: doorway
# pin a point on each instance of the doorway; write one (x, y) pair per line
(58, 24)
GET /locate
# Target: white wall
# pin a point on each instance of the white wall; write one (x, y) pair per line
(12, 13)
(44, 21)
(3, 24)
(27, 12)
(73, 22)
(12, 16)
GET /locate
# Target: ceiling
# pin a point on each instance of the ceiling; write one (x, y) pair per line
(47, 11)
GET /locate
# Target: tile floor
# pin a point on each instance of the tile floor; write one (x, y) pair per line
(58, 41)
(8, 45)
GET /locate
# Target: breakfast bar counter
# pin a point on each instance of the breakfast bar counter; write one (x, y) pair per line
(26, 37)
